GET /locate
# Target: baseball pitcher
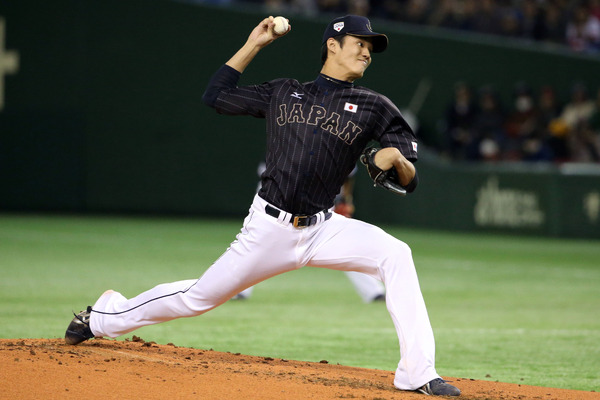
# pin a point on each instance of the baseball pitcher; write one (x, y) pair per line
(316, 132)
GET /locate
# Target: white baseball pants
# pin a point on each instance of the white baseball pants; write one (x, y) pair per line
(266, 247)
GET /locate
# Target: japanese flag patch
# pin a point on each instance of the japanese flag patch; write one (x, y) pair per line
(414, 146)
(350, 107)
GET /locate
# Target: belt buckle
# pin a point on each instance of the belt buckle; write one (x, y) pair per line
(298, 219)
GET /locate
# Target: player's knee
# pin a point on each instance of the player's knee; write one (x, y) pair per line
(394, 252)
(403, 249)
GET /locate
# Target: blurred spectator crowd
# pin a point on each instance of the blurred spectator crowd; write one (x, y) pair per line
(535, 127)
(572, 23)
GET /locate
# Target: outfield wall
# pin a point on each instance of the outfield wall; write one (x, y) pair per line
(518, 198)
(102, 113)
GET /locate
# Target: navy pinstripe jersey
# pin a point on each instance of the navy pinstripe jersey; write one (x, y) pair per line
(316, 132)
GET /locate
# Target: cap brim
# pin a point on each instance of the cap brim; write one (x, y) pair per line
(379, 40)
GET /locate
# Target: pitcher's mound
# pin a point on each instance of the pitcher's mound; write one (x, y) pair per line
(134, 369)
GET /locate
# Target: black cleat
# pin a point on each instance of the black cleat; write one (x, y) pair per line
(379, 297)
(439, 387)
(79, 329)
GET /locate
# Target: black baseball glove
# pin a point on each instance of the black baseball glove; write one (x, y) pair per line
(385, 179)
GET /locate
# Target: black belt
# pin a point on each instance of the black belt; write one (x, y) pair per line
(298, 220)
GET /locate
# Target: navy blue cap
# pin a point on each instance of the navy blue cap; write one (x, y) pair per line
(355, 25)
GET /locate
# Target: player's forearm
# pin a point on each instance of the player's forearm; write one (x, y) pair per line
(406, 171)
(392, 157)
(244, 56)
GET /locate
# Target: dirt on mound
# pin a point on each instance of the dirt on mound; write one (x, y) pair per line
(134, 369)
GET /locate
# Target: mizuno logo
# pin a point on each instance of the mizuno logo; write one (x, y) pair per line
(297, 95)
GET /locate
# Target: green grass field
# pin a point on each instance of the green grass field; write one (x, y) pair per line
(513, 309)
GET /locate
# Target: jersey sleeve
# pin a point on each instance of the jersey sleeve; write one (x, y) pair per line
(245, 100)
(226, 97)
(225, 78)
(253, 100)
(392, 130)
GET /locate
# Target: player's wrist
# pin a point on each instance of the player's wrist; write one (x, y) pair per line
(242, 58)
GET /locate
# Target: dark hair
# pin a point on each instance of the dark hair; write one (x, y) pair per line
(340, 40)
